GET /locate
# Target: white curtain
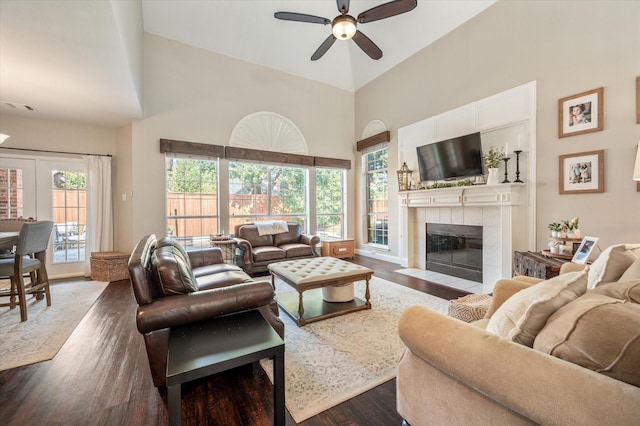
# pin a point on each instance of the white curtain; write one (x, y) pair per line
(99, 234)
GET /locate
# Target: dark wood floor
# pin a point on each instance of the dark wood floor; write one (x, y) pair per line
(101, 377)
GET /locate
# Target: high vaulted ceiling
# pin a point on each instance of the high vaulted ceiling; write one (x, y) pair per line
(81, 60)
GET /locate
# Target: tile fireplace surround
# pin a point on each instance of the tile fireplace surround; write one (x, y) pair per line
(500, 209)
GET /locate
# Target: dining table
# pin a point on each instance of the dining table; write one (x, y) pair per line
(8, 240)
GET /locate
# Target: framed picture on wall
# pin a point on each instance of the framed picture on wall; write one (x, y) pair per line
(582, 172)
(585, 249)
(581, 113)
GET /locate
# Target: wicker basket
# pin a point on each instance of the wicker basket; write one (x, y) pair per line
(109, 266)
(471, 307)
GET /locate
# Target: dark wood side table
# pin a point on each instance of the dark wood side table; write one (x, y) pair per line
(209, 347)
(536, 265)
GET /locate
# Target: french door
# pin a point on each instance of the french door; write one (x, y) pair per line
(48, 188)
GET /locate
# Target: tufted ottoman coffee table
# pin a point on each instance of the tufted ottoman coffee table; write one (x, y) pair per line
(317, 273)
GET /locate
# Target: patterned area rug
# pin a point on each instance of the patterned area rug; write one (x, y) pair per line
(47, 328)
(330, 361)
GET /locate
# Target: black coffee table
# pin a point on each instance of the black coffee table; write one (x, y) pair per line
(209, 347)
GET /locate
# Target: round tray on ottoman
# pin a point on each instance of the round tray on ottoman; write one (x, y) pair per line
(341, 293)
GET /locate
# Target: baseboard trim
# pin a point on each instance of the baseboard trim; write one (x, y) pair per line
(377, 254)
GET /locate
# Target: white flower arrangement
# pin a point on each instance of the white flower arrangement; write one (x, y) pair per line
(572, 224)
(492, 158)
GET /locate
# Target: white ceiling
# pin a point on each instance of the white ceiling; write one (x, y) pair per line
(81, 60)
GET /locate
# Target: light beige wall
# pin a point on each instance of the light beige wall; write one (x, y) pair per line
(35, 133)
(198, 96)
(568, 47)
(122, 191)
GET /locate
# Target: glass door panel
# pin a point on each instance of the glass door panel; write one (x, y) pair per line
(17, 188)
(62, 198)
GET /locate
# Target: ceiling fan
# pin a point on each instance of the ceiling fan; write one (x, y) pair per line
(344, 26)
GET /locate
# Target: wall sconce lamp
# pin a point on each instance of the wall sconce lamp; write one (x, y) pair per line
(3, 137)
(404, 177)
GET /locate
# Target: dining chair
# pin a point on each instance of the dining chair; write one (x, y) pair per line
(29, 258)
(11, 225)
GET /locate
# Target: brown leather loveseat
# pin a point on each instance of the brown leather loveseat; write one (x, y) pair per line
(258, 251)
(173, 287)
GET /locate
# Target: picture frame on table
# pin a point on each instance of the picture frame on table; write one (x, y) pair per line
(582, 172)
(581, 113)
(586, 247)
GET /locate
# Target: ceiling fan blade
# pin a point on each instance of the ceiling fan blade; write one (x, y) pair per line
(343, 6)
(301, 17)
(367, 45)
(326, 44)
(387, 10)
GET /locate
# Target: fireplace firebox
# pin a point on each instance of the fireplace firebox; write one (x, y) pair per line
(455, 250)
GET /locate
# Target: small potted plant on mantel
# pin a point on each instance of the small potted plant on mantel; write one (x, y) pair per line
(491, 161)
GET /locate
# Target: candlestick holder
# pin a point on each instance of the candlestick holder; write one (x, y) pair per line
(506, 172)
(518, 152)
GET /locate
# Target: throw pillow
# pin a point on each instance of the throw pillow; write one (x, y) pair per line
(179, 249)
(628, 291)
(173, 271)
(598, 332)
(632, 272)
(612, 263)
(523, 315)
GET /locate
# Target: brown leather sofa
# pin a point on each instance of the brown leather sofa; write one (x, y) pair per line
(258, 251)
(173, 287)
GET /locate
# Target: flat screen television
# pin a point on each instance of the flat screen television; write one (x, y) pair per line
(451, 158)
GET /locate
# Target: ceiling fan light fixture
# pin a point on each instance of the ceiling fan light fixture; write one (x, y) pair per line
(344, 27)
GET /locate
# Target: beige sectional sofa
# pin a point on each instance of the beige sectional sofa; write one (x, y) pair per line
(532, 367)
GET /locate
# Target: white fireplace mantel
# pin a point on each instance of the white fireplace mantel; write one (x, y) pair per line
(458, 196)
(500, 209)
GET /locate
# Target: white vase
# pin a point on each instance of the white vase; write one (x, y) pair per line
(574, 234)
(493, 178)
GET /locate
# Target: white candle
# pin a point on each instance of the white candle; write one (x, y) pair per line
(506, 148)
(518, 147)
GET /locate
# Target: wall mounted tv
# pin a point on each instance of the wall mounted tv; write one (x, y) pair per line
(451, 158)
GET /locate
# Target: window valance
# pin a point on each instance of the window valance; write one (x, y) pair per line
(234, 153)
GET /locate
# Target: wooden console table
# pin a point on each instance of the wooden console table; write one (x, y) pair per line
(536, 265)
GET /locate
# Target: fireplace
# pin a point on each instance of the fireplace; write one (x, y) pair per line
(455, 250)
(502, 211)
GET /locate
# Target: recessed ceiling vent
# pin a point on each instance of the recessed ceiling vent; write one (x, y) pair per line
(17, 106)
